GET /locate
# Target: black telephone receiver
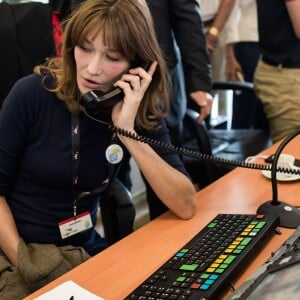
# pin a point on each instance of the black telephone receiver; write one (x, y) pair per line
(96, 101)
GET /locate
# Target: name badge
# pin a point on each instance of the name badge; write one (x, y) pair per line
(73, 225)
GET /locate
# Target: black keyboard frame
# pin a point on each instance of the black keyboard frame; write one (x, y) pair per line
(238, 264)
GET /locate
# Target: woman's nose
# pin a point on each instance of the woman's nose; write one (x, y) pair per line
(94, 66)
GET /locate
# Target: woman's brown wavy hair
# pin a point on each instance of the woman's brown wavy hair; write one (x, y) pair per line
(127, 27)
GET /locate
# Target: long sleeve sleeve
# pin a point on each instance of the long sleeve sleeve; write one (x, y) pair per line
(188, 30)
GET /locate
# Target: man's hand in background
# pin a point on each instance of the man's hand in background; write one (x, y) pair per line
(204, 101)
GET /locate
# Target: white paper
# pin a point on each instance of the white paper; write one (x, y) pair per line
(66, 290)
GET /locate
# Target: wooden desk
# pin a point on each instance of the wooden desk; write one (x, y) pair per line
(118, 270)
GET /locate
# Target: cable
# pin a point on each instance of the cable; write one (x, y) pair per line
(192, 153)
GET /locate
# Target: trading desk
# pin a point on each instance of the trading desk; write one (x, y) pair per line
(118, 270)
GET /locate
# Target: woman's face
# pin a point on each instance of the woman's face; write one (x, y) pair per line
(98, 67)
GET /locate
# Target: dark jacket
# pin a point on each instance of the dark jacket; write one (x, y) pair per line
(22, 49)
(179, 31)
(181, 19)
(277, 39)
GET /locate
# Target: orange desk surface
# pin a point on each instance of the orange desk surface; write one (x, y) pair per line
(118, 270)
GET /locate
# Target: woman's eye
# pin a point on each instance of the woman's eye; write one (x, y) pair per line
(113, 58)
(84, 48)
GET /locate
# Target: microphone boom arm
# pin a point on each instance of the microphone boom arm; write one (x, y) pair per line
(289, 215)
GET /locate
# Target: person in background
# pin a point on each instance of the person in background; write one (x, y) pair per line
(55, 159)
(277, 76)
(179, 31)
(215, 14)
(241, 57)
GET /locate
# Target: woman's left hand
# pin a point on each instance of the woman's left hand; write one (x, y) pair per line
(134, 85)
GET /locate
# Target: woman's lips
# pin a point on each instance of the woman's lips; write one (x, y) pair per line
(90, 84)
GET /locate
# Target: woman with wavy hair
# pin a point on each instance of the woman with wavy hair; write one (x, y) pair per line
(56, 158)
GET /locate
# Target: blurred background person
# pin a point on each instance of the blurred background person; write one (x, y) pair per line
(241, 57)
(277, 76)
(214, 14)
(180, 34)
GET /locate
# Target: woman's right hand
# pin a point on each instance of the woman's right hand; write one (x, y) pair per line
(134, 85)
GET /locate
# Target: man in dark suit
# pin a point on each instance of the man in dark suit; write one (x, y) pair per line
(180, 33)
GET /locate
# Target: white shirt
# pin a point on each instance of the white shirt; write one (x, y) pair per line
(208, 9)
(242, 23)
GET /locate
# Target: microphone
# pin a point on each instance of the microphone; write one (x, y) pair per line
(289, 216)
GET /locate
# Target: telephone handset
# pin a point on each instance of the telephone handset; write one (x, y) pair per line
(96, 101)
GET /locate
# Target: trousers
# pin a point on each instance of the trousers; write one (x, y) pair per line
(279, 91)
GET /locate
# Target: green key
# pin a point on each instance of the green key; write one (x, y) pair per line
(246, 241)
(229, 259)
(220, 271)
(212, 225)
(260, 224)
(237, 251)
(180, 278)
(191, 267)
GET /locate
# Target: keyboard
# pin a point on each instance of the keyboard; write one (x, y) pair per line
(207, 263)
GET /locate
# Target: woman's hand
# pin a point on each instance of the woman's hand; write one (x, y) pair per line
(204, 101)
(134, 85)
(9, 236)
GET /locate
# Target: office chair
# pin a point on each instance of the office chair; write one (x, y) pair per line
(232, 144)
(117, 212)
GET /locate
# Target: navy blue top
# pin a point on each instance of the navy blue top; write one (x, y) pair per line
(277, 39)
(36, 162)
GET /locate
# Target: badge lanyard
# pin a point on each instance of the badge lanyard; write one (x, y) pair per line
(75, 166)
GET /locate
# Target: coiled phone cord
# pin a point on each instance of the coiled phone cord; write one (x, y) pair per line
(192, 153)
